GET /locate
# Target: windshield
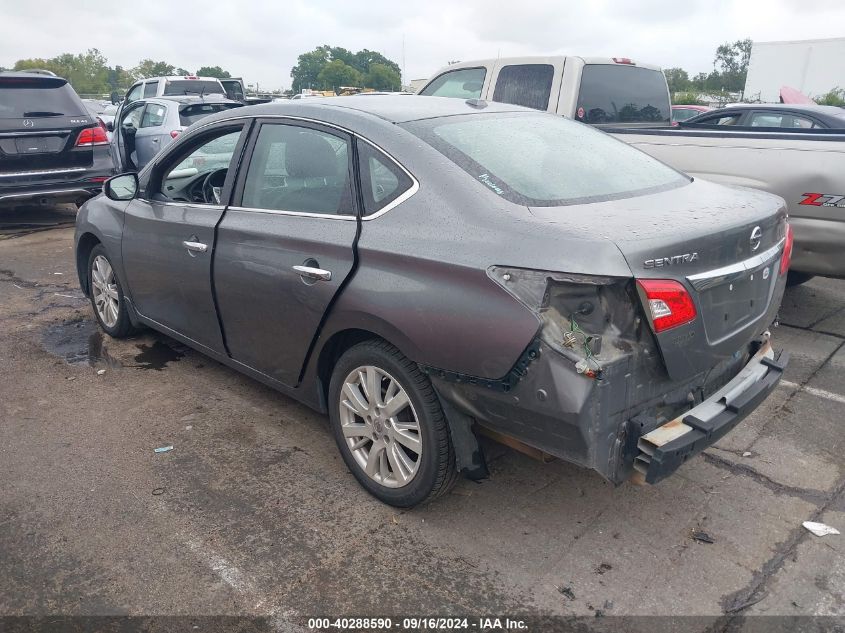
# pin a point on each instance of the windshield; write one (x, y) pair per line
(619, 93)
(22, 98)
(193, 87)
(544, 159)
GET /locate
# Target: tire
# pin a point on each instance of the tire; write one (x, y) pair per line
(391, 481)
(115, 321)
(794, 278)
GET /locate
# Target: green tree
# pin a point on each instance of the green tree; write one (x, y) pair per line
(336, 74)
(678, 79)
(213, 71)
(686, 98)
(835, 97)
(365, 58)
(382, 77)
(87, 72)
(149, 68)
(308, 67)
(731, 65)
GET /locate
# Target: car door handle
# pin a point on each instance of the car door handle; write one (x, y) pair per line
(314, 273)
(197, 247)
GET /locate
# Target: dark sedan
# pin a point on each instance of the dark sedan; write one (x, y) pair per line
(761, 116)
(421, 268)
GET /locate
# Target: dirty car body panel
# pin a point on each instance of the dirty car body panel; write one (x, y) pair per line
(534, 308)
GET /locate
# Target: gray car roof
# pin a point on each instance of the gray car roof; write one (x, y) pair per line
(391, 108)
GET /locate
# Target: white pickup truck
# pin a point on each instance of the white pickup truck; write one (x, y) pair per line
(631, 101)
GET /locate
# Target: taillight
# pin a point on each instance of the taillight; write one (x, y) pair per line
(175, 133)
(786, 258)
(92, 136)
(623, 60)
(669, 303)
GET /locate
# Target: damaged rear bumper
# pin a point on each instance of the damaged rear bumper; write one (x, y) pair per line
(662, 450)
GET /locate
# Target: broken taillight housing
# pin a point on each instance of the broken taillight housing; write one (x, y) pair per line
(589, 319)
(669, 303)
(786, 258)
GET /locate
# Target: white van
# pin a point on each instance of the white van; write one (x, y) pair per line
(595, 90)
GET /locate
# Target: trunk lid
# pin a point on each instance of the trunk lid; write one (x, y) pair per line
(722, 244)
(40, 119)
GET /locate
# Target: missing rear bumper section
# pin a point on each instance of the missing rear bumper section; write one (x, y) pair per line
(664, 449)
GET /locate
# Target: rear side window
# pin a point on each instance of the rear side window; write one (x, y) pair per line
(193, 113)
(150, 89)
(25, 98)
(382, 180)
(154, 115)
(778, 119)
(299, 169)
(528, 85)
(465, 83)
(193, 87)
(620, 93)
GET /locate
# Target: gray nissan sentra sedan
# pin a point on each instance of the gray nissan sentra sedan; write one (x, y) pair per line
(423, 269)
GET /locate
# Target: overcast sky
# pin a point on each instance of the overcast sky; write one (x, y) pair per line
(260, 39)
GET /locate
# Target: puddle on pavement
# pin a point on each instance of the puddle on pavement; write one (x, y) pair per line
(81, 342)
(78, 342)
(157, 355)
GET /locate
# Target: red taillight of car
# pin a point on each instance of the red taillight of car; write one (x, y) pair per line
(786, 258)
(669, 303)
(92, 136)
(623, 60)
(175, 133)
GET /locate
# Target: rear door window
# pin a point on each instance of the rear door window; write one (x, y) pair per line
(382, 180)
(528, 85)
(779, 119)
(25, 98)
(621, 93)
(465, 83)
(154, 115)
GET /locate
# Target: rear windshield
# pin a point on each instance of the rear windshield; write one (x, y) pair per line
(24, 98)
(193, 113)
(192, 87)
(545, 160)
(619, 93)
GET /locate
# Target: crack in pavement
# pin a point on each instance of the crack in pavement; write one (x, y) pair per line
(809, 328)
(805, 494)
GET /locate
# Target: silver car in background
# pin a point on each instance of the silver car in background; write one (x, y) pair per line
(146, 126)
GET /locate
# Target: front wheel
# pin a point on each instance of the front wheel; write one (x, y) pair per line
(389, 426)
(107, 295)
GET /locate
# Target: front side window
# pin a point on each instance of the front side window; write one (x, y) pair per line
(134, 93)
(382, 180)
(299, 169)
(545, 160)
(723, 119)
(150, 89)
(528, 85)
(465, 83)
(154, 115)
(621, 93)
(198, 173)
(683, 114)
(131, 117)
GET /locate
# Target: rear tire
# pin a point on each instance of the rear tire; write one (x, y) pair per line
(106, 295)
(794, 278)
(397, 444)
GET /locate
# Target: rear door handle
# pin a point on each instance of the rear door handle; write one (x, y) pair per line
(196, 247)
(313, 273)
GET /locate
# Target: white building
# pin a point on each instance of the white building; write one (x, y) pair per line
(815, 67)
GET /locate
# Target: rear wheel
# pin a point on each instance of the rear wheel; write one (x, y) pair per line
(389, 426)
(794, 278)
(107, 295)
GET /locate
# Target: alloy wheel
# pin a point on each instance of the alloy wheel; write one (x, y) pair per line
(104, 291)
(380, 426)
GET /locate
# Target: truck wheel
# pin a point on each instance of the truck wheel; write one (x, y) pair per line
(389, 426)
(107, 295)
(794, 278)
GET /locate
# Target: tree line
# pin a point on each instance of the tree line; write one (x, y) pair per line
(324, 68)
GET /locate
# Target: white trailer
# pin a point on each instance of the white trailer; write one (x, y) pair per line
(814, 67)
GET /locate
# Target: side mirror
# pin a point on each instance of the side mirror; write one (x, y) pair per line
(122, 187)
(110, 126)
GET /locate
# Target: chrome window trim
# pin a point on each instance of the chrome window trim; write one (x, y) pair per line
(717, 276)
(42, 172)
(415, 186)
(325, 216)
